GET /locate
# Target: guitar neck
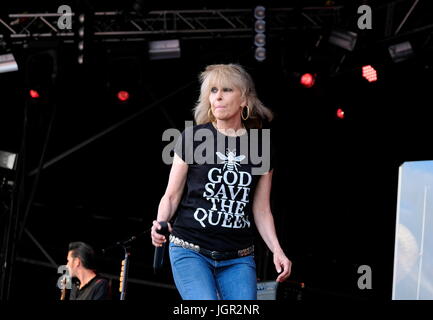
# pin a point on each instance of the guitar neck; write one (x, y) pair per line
(63, 294)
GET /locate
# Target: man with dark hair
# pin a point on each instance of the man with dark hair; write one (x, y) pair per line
(81, 265)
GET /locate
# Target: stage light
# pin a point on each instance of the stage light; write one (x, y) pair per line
(260, 26)
(369, 73)
(259, 12)
(81, 32)
(34, 94)
(260, 40)
(340, 113)
(8, 160)
(260, 36)
(81, 37)
(8, 63)
(307, 80)
(123, 95)
(138, 6)
(401, 51)
(260, 54)
(343, 39)
(40, 76)
(165, 49)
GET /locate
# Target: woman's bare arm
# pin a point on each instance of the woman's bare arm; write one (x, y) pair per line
(171, 198)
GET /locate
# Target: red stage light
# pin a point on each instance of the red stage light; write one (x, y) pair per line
(340, 113)
(307, 80)
(34, 94)
(123, 96)
(369, 73)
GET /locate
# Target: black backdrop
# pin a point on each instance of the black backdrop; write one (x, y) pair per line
(335, 186)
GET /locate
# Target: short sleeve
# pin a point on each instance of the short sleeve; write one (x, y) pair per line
(184, 147)
(268, 151)
(179, 148)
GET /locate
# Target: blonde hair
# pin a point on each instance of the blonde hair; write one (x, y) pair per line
(230, 75)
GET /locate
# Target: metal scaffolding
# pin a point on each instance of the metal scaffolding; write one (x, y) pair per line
(120, 25)
(198, 24)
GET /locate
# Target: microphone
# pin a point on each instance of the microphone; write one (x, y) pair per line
(158, 258)
(119, 244)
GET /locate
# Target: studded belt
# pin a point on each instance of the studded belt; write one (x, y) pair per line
(216, 255)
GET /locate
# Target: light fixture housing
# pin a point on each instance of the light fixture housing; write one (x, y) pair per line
(164, 49)
(343, 39)
(8, 63)
(401, 51)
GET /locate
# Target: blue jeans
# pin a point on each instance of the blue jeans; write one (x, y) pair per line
(198, 277)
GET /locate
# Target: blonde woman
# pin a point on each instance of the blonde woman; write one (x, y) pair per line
(218, 202)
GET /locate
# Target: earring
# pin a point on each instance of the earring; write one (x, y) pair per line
(248, 113)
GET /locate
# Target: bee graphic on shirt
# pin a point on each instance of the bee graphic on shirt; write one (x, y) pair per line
(230, 160)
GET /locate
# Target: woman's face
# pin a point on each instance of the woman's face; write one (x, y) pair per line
(226, 102)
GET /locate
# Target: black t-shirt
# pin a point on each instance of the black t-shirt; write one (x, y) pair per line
(215, 211)
(96, 289)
